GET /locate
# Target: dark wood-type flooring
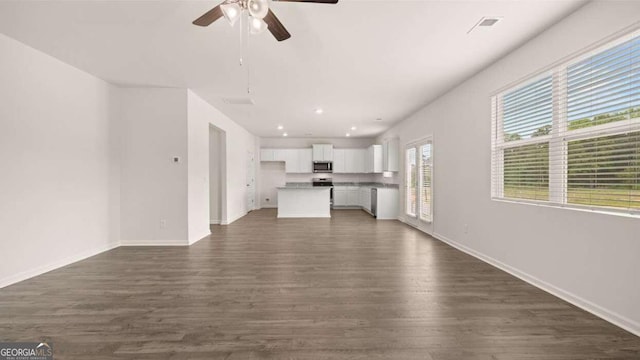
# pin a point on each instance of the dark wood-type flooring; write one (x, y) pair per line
(262, 288)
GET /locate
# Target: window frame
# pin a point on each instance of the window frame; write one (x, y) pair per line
(560, 136)
(416, 146)
(406, 182)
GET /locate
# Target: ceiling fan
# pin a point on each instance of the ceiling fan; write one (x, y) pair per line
(261, 17)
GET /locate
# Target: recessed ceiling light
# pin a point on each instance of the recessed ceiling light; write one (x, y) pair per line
(319, 111)
(379, 119)
(353, 128)
(280, 127)
(348, 134)
(285, 134)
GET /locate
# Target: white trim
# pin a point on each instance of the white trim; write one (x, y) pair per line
(595, 47)
(577, 207)
(154, 243)
(522, 142)
(204, 235)
(233, 219)
(303, 215)
(597, 310)
(27, 274)
(214, 222)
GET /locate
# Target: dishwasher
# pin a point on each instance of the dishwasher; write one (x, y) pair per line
(374, 202)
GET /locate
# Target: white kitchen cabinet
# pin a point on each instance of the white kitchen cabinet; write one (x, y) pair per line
(266, 154)
(279, 154)
(305, 161)
(339, 161)
(387, 203)
(322, 152)
(291, 164)
(295, 160)
(353, 196)
(346, 196)
(350, 161)
(365, 198)
(340, 196)
(390, 154)
(374, 159)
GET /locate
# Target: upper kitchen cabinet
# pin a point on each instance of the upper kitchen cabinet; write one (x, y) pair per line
(355, 160)
(267, 155)
(295, 160)
(349, 161)
(390, 152)
(374, 159)
(339, 161)
(304, 161)
(322, 152)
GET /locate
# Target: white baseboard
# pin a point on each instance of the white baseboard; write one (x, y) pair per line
(233, 219)
(299, 216)
(154, 243)
(12, 279)
(214, 222)
(270, 206)
(597, 310)
(203, 235)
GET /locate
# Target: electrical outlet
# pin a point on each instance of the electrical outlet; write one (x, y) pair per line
(163, 224)
(466, 228)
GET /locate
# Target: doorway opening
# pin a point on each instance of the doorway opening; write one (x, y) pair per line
(217, 176)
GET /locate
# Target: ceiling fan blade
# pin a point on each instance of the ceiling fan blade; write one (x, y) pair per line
(209, 17)
(275, 27)
(312, 1)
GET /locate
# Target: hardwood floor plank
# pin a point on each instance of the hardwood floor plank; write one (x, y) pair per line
(349, 287)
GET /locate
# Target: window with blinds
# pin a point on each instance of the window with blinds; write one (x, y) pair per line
(411, 178)
(571, 136)
(426, 166)
(418, 180)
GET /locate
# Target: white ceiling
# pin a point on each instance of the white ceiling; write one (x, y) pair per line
(358, 60)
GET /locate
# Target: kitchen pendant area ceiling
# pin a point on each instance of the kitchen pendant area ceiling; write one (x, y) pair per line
(358, 60)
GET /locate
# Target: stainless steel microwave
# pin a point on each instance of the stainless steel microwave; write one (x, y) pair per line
(322, 167)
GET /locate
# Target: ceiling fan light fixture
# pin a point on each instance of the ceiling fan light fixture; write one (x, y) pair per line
(231, 12)
(258, 8)
(258, 26)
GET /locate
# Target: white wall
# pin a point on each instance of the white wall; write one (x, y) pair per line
(59, 182)
(588, 258)
(239, 142)
(153, 187)
(271, 176)
(198, 175)
(216, 145)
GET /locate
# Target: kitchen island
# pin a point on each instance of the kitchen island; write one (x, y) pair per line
(299, 201)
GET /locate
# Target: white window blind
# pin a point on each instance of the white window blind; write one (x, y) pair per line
(426, 194)
(411, 179)
(571, 136)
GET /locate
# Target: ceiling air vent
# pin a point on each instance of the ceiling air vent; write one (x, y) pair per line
(238, 101)
(485, 22)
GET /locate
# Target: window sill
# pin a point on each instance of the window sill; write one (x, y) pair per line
(589, 209)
